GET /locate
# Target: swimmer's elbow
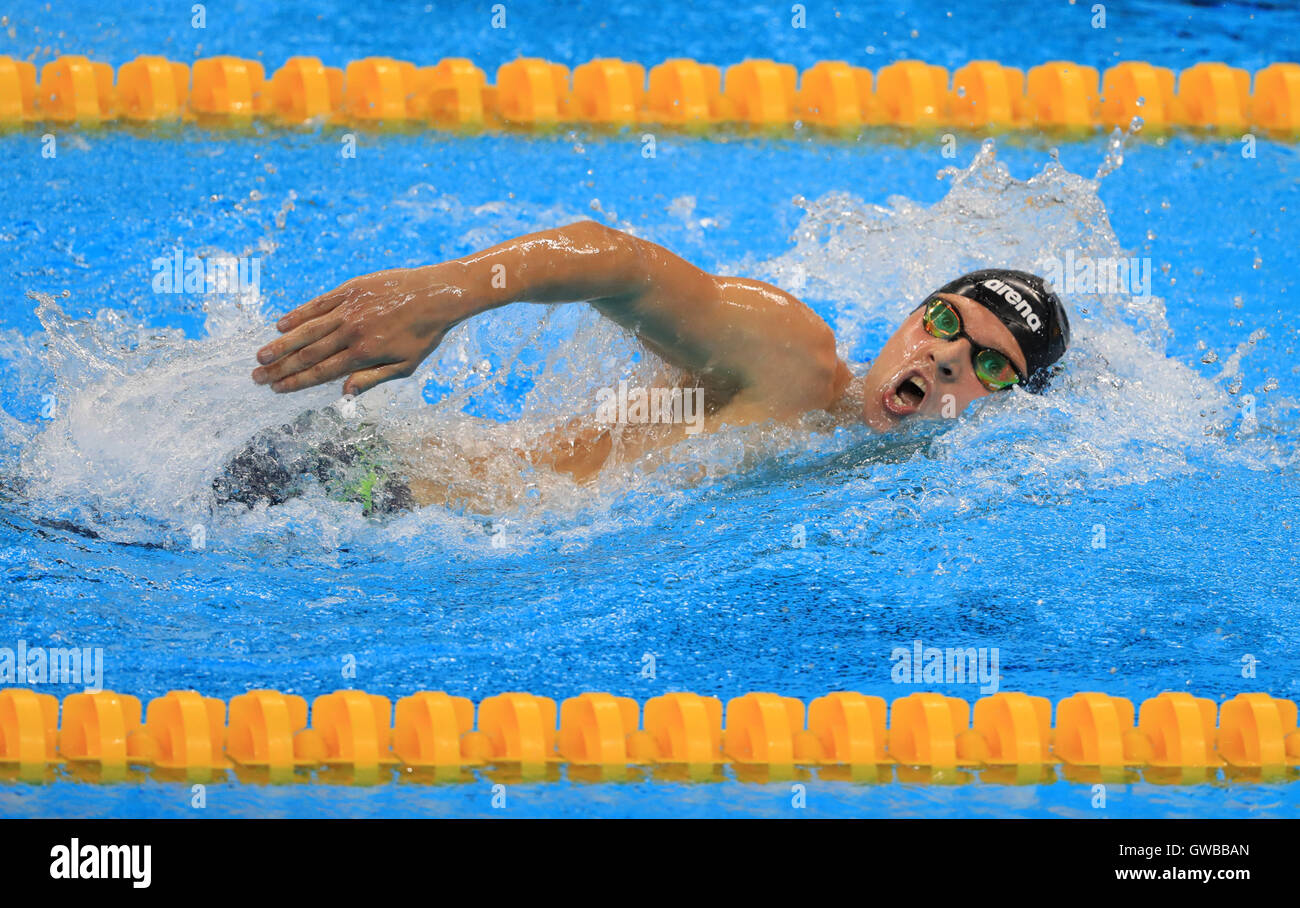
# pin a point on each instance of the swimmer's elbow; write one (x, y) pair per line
(621, 256)
(602, 239)
(588, 232)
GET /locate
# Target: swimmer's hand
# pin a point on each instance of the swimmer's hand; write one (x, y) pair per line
(372, 329)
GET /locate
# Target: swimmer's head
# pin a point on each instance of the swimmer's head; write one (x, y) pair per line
(985, 332)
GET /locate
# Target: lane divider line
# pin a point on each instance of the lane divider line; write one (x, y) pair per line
(266, 729)
(534, 93)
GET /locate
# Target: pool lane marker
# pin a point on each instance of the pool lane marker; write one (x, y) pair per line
(535, 93)
(1174, 737)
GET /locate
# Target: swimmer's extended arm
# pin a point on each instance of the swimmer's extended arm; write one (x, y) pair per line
(758, 342)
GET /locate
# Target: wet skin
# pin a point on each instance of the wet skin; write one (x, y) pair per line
(758, 352)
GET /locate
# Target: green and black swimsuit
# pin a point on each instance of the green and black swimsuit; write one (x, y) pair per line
(350, 462)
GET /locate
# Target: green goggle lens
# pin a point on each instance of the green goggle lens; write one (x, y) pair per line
(941, 320)
(994, 370)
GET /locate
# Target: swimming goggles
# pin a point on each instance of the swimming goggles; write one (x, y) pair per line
(993, 368)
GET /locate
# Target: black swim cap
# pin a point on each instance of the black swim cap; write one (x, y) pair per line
(1032, 313)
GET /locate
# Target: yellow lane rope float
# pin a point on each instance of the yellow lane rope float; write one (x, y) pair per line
(1008, 736)
(532, 92)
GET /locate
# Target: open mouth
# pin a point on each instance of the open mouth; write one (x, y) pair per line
(906, 397)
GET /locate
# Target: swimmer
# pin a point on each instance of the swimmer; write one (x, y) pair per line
(758, 353)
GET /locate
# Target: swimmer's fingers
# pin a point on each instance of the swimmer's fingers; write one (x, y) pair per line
(326, 302)
(295, 340)
(301, 360)
(365, 379)
(337, 365)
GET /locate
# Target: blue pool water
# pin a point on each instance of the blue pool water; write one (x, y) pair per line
(122, 402)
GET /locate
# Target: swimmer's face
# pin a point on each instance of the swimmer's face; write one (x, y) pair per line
(919, 375)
